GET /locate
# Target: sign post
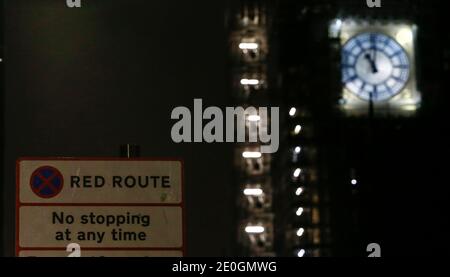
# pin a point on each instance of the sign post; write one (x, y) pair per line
(110, 207)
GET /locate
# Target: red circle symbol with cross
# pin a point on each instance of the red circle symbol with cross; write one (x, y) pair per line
(46, 182)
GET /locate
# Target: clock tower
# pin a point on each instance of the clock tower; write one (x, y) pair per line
(378, 66)
(363, 92)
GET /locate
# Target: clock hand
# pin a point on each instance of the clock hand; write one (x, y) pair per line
(374, 54)
(372, 63)
(374, 51)
(374, 66)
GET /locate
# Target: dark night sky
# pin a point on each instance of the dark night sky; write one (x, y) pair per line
(80, 82)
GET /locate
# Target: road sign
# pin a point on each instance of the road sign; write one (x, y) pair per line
(104, 181)
(46, 182)
(110, 207)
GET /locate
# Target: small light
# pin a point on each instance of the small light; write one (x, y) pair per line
(297, 172)
(297, 150)
(292, 112)
(301, 253)
(299, 191)
(300, 232)
(254, 229)
(253, 192)
(409, 108)
(252, 155)
(254, 118)
(248, 46)
(299, 211)
(297, 129)
(354, 182)
(404, 36)
(335, 28)
(250, 82)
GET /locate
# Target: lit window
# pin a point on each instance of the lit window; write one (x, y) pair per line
(249, 82)
(254, 118)
(252, 155)
(248, 46)
(254, 229)
(253, 192)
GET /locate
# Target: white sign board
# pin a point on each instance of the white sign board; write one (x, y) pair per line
(109, 207)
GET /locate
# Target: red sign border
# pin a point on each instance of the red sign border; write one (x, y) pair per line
(18, 248)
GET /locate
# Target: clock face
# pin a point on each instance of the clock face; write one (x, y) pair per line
(374, 66)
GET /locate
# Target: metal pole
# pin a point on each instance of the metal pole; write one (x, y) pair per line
(2, 130)
(130, 151)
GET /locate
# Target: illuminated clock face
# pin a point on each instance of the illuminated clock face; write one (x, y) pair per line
(374, 66)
